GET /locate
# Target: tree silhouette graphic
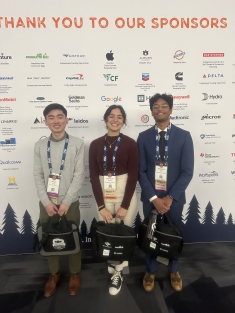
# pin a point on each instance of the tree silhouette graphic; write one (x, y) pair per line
(193, 213)
(11, 236)
(220, 217)
(27, 225)
(230, 219)
(10, 227)
(137, 222)
(93, 222)
(208, 217)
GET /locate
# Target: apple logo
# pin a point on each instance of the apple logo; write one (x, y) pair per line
(109, 56)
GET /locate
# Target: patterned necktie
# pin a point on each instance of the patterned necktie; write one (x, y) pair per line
(162, 144)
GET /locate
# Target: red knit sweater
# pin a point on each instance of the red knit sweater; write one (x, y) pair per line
(126, 163)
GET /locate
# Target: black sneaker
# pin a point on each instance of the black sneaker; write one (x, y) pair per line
(116, 283)
(111, 268)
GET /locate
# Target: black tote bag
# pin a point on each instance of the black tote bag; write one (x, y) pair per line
(167, 241)
(60, 238)
(113, 241)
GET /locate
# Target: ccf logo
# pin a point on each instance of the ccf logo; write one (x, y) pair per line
(109, 77)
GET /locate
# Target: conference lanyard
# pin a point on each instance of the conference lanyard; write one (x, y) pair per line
(63, 155)
(114, 153)
(167, 136)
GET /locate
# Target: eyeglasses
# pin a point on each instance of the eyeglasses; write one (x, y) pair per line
(164, 106)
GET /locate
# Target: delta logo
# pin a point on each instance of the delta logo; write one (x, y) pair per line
(109, 77)
(76, 76)
(111, 99)
(179, 55)
(145, 77)
(213, 55)
(213, 76)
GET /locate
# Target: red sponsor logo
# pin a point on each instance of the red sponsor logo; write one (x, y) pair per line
(181, 97)
(213, 54)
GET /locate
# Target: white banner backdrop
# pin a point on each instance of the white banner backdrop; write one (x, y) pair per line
(89, 55)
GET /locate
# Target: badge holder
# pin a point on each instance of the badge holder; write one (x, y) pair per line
(110, 185)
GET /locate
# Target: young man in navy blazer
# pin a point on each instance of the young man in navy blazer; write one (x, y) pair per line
(170, 154)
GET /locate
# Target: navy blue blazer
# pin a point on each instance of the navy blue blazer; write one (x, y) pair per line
(180, 164)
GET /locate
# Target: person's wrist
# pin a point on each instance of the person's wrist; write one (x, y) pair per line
(101, 207)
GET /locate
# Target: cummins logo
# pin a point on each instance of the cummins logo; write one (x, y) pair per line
(210, 117)
(179, 76)
(206, 96)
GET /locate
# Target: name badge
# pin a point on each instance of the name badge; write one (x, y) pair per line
(160, 176)
(110, 185)
(53, 187)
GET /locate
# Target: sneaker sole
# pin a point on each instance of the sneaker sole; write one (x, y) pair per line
(114, 291)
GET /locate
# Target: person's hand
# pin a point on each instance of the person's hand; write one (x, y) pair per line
(121, 213)
(51, 209)
(167, 200)
(161, 206)
(63, 209)
(107, 216)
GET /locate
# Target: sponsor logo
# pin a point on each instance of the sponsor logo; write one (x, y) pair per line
(110, 77)
(112, 99)
(119, 247)
(142, 98)
(212, 54)
(208, 155)
(9, 121)
(6, 78)
(234, 116)
(5, 57)
(144, 118)
(210, 117)
(10, 141)
(12, 181)
(232, 172)
(165, 244)
(38, 56)
(185, 117)
(145, 58)
(7, 99)
(145, 76)
(9, 162)
(233, 135)
(179, 76)
(233, 154)
(209, 174)
(109, 56)
(74, 55)
(78, 120)
(107, 245)
(58, 244)
(145, 52)
(179, 54)
(213, 97)
(211, 136)
(40, 120)
(76, 76)
(75, 99)
(213, 75)
(181, 97)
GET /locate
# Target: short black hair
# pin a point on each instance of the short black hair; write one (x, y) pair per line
(168, 98)
(54, 106)
(113, 107)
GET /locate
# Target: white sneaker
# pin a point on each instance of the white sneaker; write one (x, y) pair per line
(116, 283)
(111, 268)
